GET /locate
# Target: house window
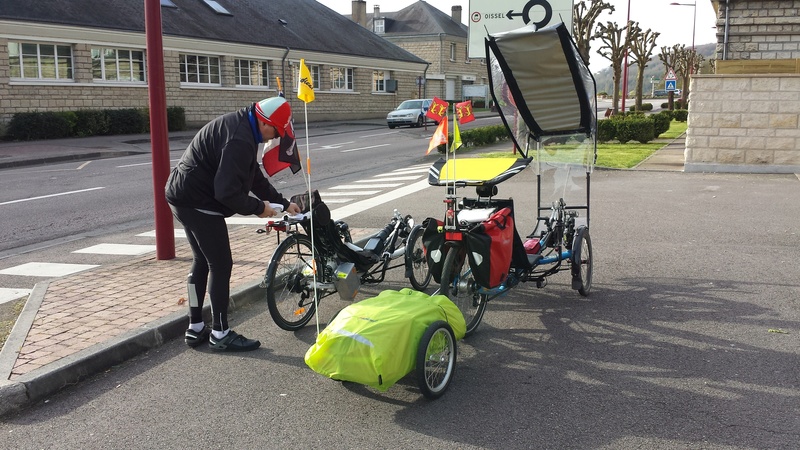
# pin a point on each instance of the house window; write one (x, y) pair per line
(41, 61)
(252, 73)
(452, 51)
(380, 26)
(379, 81)
(199, 69)
(315, 74)
(118, 64)
(342, 78)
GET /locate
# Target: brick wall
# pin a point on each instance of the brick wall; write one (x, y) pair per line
(744, 124)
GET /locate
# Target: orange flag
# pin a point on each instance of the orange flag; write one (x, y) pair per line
(439, 136)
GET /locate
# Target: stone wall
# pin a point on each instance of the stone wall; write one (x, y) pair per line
(761, 29)
(201, 103)
(744, 124)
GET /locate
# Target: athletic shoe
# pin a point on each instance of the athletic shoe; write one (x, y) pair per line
(232, 342)
(195, 338)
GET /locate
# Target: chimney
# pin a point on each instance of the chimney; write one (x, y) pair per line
(455, 13)
(360, 12)
(376, 12)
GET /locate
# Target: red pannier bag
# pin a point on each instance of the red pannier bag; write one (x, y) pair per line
(490, 247)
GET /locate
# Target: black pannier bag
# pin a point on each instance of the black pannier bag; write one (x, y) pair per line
(433, 240)
(491, 246)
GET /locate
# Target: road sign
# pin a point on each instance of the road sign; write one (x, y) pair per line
(669, 85)
(670, 74)
(495, 16)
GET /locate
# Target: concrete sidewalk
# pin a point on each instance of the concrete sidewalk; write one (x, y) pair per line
(76, 326)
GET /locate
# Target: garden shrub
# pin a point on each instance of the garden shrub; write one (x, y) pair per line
(91, 122)
(176, 118)
(680, 115)
(645, 107)
(126, 121)
(606, 130)
(635, 129)
(30, 126)
(660, 123)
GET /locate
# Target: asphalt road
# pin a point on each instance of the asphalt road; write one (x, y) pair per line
(688, 340)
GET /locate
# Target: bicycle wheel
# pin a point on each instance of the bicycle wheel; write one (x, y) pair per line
(459, 286)
(582, 261)
(419, 272)
(290, 296)
(436, 359)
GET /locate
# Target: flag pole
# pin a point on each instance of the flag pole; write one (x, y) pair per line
(305, 92)
(311, 202)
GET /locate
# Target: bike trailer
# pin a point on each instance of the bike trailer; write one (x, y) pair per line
(374, 341)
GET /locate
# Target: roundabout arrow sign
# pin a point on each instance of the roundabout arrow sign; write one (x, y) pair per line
(495, 16)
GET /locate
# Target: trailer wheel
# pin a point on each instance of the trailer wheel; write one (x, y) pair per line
(436, 359)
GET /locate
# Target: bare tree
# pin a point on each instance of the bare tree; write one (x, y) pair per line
(688, 63)
(613, 49)
(583, 20)
(642, 45)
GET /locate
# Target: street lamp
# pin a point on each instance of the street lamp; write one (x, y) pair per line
(694, 26)
(694, 19)
(625, 64)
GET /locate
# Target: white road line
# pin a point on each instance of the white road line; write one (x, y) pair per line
(335, 146)
(179, 233)
(379, 134)
(370, 186)
(51, 195)
(356, 193)
(364, 148)
(387, 184)
(338, 200)
(42, 269)
(389, 177)
(363, 205)
(118, 249)
(10, 294)
(83, 165)
(144, 164)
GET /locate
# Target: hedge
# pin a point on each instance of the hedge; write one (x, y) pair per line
(36, 125)
(476, 137)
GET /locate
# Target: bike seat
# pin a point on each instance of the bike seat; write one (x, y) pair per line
(475, 171)
(371, 256)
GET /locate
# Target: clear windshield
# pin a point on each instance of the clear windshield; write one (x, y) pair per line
(411, 104)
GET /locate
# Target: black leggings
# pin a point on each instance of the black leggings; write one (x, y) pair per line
(208, 236)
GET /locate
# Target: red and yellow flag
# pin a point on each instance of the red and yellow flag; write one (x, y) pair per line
(439, 136)
(437, 110)
(464, 112)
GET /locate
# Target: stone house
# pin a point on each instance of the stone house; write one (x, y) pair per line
(746, 116)
(219, 55)
(432, 35)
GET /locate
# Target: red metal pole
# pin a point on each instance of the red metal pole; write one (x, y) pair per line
(165, 228)
(625, 67)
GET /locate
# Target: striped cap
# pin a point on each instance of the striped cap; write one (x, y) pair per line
(274, 111)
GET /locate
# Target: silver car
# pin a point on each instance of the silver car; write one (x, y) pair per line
(410, 112)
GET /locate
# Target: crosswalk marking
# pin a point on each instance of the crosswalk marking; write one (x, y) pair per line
(9, 295)
(345, 194)
(329, 193)
(179, 233)
(44, 269)
(118, 249)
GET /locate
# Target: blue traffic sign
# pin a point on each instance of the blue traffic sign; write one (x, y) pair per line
(670, 85)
